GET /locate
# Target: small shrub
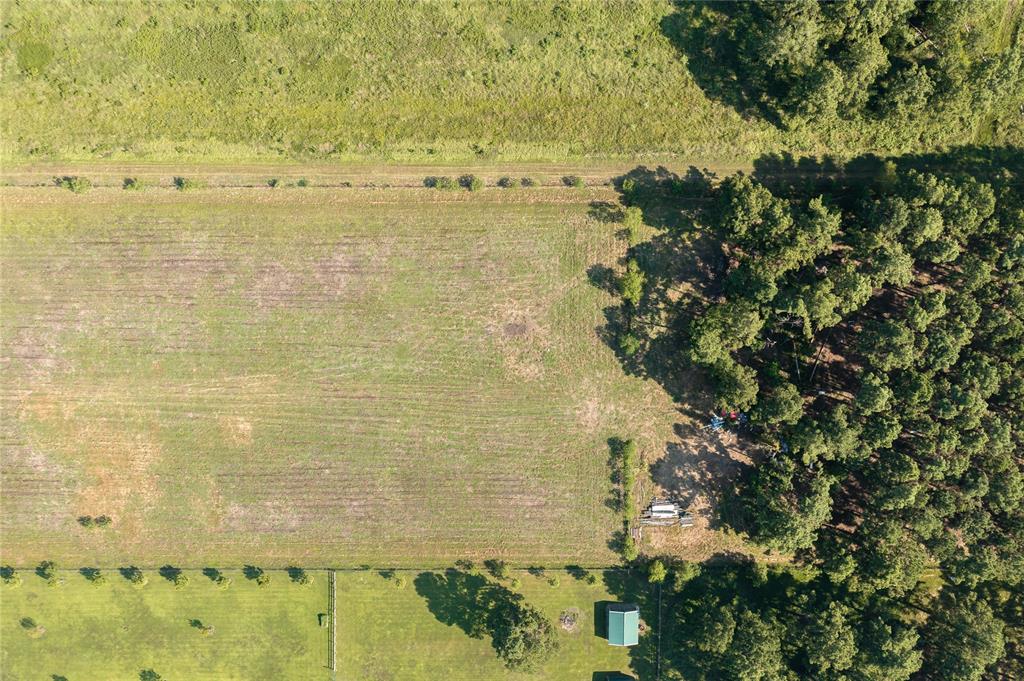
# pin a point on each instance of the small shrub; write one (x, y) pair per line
(515, 583)
(529, 182)
(74, 183)
(102, 521)
(9, 576)
(508, 182)
(48, 571)
(554, 581)
(471, 182)
(135, 576)
(133, 184)
(299, 576)
(31, 628)
(303, 182)
(628, 187)
(401, 582)
(174, 575)
(184, 184)
(95, 577)
(263, 580)
(497, 568)
(273, 182)
(656, 572)
(629, 344)
(464, 564)
(149, 675)
(683, 572)
(591, 578)
(632, 220)
(204, 629)
(86, 521)
(440, 182)
(629, 550)
(574, 181)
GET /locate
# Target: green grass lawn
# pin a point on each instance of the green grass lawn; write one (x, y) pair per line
(413, 633)
(115, 630)
(312, 377)
(431, 82)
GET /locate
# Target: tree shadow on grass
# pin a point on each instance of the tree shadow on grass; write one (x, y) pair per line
(476, 605)
(709, 35)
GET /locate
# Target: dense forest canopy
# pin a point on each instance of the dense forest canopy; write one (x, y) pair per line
(871, 326)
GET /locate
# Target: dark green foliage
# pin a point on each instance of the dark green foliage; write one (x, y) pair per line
(174, 575)
(631, 284)
(184, 184)
(273, 182)
(48, 571)
(508, 182)
(526, 640)
(530, 182)
(302, 182)
(74, 183)
(133, 184)
(149, 675)
(574, 181)
(471, 182)
(134, 575)
(299, 576)
(256, 574)
(922, 64)
(522, 637)
(94, 575)
(873, 328)
(656, 572)
(440, 182)
(497, 568)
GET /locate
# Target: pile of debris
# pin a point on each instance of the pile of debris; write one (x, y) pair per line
(665, 512)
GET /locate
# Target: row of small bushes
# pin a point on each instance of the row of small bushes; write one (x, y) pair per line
(79, 184)
(474, 183)
(47, 570)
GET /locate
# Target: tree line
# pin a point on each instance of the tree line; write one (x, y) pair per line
(873, 330)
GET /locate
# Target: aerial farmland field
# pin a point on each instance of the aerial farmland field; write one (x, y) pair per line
(311, 376)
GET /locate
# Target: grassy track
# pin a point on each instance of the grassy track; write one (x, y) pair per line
(415, 633)
(423, 82)
(319, 377)
(115, 630)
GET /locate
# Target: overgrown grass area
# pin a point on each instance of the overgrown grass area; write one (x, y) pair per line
(436, 81)
(116, 630)
(419, 630)
(315, 377)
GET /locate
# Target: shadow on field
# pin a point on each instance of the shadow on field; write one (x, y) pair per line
(471, 602)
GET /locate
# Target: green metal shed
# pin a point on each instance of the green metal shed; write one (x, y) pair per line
(623, 624)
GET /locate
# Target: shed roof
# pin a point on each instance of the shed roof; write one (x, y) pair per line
(623, 624)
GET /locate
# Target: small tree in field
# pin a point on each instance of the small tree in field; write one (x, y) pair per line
(9, 576)
(95, 577)
(256, 574)
(48, 571)
(631, 285)
(135, 576)
(299, 576)
(471, 182)
(102, 521)
(656, 572)
(74, 183)
(149, 675)
(86, 521)
(525, 639)
(498, 568)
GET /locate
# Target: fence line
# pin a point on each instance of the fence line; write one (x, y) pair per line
(333, 605)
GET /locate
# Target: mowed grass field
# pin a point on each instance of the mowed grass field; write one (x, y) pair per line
(416, 633)
(313, 377)
(115, 630)
(426, 81)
